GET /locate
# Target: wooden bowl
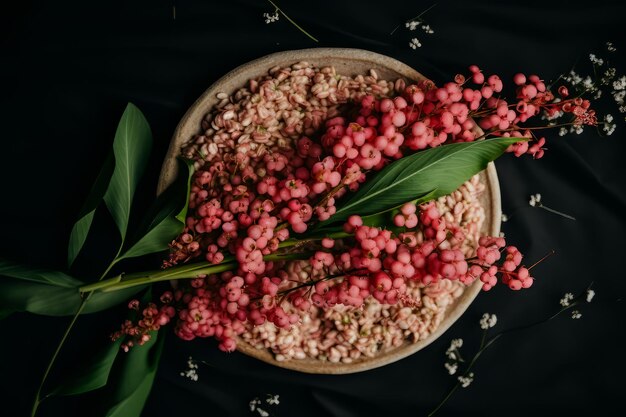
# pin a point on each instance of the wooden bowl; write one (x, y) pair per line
(348, 62)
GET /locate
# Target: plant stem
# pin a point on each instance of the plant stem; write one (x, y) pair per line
(81, 307)
(38, 398)
(414, 18)
(123, 281)
(567, 216)
(292, 22)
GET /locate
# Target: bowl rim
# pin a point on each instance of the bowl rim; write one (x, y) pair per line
(240, 75)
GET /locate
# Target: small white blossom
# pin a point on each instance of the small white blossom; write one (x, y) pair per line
(454, 345)
(610, 47)
(566, 299)
(590, 295)
(415, 43)
(505, 218)
(562, 131)
(466, 380)
(622, 109)
(262, 412)
(608, 127)
(501, 234)
(578, 129)
(620, 83)
(573, 78)
(597, 95)
(488, 321)
(428, 29)
(576, 314)
(272, 399)
(254, 403)
(271, 17)
(191, 371)
(451, 367)
(535, 200)
(412, 25)
(619, 96)
(595, 60)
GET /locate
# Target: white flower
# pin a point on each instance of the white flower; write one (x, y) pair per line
(595, 60)
(191, 371)
(451, 367)
(501, 234)
(488, 321)
(415, 43)
(562, 131)
(578, 129)
(619, 96)
(597, 95)
(254, 403)
(262, 412)
(590, 295)
(272, 399)
(535, 200)
(574, 78)
(466, 380)
(566, 299)
(620, 83)
(412, 25)
(454, 345)
(271, 17)
(505, 218)
(576, 314)
(427, 29)
(610, 47)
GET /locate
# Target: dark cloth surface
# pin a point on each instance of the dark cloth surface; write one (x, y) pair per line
(69, 68)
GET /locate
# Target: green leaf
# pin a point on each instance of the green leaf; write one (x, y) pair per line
(131, 147)
(93, 376)
(85, 218)
(134, 378)
(443, 169)
(50, 300)
(168, 216)
(385, 217)
(37, 275)
(48, 292)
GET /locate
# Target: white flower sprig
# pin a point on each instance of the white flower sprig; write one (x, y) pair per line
(535, 201)
(487, 321)
(192, 370)
(417, 23)
(270, 399)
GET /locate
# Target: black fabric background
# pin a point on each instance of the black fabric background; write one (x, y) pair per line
(67, 70)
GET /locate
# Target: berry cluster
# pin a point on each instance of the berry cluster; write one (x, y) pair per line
(248, 204)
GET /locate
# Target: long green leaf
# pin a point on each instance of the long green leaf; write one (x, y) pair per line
(36, 274)
(92, 376)
(443, 169)
(134, 378)
(85, 218)
(49, 300)
(131, 147)
(171, 206)
(48, 292)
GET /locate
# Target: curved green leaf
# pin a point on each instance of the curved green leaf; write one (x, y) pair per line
(48, 292)
(170, 207)
(93, 376)
(36, 274)
(131, 147)
(443, 169)
(134, 378)
(51, 300)
(80, 230)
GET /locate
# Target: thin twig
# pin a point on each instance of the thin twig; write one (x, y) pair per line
(292, 22)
